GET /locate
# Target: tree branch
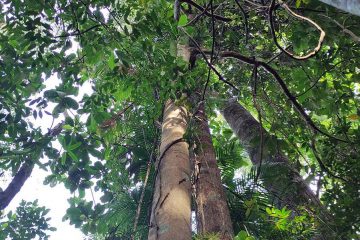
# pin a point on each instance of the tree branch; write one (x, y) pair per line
(272, 28)
(24, 172)
(197, 6)
(16, 184)
(274, 73)
(78, 33)
(345, 30)
(198, 50)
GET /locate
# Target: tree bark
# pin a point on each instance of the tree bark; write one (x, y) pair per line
(24, 172)
(171, 207)
(212, 212)
(16, 184)
(350, 6)
(277, 174)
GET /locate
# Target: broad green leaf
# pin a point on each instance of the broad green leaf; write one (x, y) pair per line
(182, 20)
(111, 61)
(74, 146)
(73, 156)
(67, 127)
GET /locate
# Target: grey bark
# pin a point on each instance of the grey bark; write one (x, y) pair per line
(350, 6)
(277, 174)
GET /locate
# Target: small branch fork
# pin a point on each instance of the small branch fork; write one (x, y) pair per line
(199, 51)
(200, 8)
(272, 28)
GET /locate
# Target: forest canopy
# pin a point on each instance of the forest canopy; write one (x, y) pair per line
(206, 119)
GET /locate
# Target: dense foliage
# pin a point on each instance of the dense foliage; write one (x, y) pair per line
(107, 139)
(28, 222)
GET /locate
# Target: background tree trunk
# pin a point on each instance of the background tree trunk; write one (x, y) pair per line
(171, 207)
(212, 211)
(350, 6)
(277, 174)
(16, 184)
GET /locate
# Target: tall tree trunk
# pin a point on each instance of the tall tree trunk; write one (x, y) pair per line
(16, 184)
(278, 175)
(212, 212)
(350, 6)
(171, 207)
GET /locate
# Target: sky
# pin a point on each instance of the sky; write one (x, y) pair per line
(53, 198)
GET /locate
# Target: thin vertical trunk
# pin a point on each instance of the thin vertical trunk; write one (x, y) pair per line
(278, 176)
(171, 209)
(212, 211)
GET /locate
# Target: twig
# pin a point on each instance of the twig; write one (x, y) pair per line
(198, 50)
(272, 28)
(111, 122)
(345, 30)
(321, 163)
(78, 33)
(212, 49)
(276, 55)
(197, 17)
(218, 17)
(138, 210)
(275, 74)
(326, 71)
(245, 20)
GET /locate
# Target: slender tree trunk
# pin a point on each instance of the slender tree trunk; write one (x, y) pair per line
(16, 184)
(24, 172)
(212, 211)
(278, 176)
(171, 207)
(350, 6)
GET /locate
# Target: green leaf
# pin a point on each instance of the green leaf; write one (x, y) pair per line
(268, 210)
(67, 127)
(73, 156)
(173, 48)
(74, 146)
(106, 197)
(51, 94)
(182, 20)
(71, 103)
(63, 158)
(242, 235)
(111, 61)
